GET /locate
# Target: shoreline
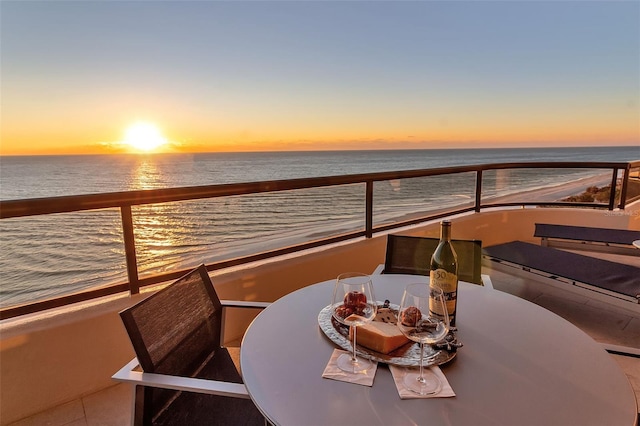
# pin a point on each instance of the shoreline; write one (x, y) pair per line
(546, 194)
(559, 191)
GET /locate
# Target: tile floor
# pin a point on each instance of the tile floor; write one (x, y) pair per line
(112, 406)
(109, 407)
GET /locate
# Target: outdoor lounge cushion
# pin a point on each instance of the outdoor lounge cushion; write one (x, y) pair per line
(584, 233)
(613, 278)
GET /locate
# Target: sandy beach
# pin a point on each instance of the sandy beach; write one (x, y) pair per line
(555, 192)
(323, 230)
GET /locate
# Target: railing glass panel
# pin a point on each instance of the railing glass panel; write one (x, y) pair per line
(53, 255)
(399, 200)
(179, 235)
(544, 185)
(633, 185)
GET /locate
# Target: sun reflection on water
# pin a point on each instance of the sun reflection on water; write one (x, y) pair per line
(161, 230)
(147, 175)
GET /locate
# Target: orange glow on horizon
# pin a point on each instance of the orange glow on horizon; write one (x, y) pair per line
(28, 141)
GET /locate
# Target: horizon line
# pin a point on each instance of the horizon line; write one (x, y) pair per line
(151, 154)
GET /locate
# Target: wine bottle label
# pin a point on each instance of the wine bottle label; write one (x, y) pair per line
(448, 282)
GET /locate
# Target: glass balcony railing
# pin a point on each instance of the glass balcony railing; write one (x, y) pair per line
(74, 248)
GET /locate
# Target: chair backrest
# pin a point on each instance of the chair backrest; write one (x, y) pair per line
(411, 255)
(174, 330)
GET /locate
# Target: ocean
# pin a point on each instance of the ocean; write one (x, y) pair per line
(46, 256)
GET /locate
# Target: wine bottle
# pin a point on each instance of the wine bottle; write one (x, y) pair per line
(444, 271)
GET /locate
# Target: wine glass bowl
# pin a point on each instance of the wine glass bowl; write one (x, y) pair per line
(419, 320)
(427, 329)
(353, 304)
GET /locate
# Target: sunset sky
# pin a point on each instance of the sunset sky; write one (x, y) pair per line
(268, 75)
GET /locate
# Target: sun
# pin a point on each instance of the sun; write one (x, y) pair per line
(144, 136)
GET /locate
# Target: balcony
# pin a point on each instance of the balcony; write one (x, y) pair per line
(58, 354)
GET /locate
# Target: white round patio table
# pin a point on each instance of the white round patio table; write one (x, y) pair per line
(520, 365)
(636, 243)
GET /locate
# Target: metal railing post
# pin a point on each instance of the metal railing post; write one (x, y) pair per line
(478, 190)
(369, 210)
(612, 196)
(625, 185)
(130, 249)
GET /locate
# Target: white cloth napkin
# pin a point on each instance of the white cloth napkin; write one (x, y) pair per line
(332, 371)
(398, 374)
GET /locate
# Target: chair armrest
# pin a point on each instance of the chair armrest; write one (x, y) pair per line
(379, 269)
(486, 281)
(621, 350)
(188, 384)
(239, 304)
(244, 304)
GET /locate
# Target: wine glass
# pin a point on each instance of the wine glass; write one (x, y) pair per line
(423, 318)
(353, 304)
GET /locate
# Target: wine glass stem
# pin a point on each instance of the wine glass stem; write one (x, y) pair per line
(353, 356)
(421, 377)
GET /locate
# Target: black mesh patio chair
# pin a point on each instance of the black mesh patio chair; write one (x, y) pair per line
(182, 373)
(411, 255)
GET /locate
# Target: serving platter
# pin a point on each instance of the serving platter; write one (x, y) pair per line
(407, 355)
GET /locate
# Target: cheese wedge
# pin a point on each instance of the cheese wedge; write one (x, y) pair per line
(380, 336)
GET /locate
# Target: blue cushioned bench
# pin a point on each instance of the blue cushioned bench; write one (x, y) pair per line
(596, 276)
(587, 238)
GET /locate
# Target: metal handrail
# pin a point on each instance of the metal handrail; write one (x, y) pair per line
(125, 200)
